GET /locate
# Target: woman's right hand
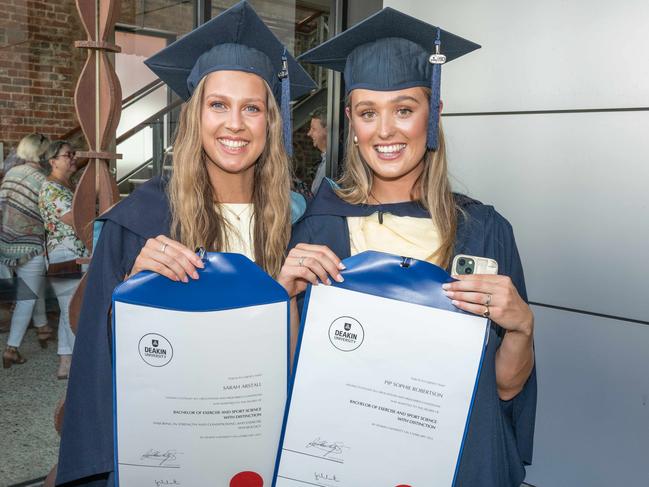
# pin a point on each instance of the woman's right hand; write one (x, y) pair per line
(169, 258)
(306, 264)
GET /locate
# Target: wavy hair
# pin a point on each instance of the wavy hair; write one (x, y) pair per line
(198, 222)
(432, 189)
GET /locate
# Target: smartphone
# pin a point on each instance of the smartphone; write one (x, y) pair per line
(470, 264)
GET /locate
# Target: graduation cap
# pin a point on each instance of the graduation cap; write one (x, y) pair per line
(235, 40)
(392, 51)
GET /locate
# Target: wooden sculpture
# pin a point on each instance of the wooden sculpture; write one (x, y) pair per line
(97, 101)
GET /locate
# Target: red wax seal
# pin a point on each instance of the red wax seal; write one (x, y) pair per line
(403, 485)
(247, 479)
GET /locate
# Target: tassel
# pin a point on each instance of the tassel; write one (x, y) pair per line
(286, 106)
(436, 60)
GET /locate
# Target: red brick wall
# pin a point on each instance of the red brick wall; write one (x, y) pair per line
(39, 68)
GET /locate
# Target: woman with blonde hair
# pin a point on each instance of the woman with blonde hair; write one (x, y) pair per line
(22, 240)
(395, 197)
(31, 148)
(229, 191)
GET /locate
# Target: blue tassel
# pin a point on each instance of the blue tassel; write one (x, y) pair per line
(286, 106)
(437, 60)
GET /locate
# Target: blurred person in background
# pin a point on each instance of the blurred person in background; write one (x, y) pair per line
(318, 133)
(22, 241)
(62, 246)
(30, 148)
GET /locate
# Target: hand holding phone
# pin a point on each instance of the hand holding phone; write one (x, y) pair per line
(471, 264)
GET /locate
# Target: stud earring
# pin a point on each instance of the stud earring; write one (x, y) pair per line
(355, 140)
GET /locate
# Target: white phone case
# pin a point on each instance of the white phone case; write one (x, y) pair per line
(480, 265)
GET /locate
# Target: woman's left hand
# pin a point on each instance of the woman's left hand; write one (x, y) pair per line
(492, 296)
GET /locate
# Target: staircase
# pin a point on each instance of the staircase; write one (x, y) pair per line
(144, 137)
(149, 118)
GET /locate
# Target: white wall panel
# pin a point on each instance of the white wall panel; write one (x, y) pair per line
(592, 423)
(575, 188)
(554, 54)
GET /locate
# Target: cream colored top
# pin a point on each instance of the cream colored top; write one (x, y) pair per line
(239, 234)
(400, 235)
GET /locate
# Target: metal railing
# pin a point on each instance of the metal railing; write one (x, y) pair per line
(163, 122)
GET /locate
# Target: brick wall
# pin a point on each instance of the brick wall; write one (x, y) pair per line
(39, 68)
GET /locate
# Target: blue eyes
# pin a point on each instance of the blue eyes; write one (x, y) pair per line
(220, 106)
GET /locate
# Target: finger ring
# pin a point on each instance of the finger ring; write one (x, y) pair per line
(486, 313)
(488, 302)
(300, 262)
(163, 248)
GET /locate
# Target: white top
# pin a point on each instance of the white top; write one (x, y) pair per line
(240, 227)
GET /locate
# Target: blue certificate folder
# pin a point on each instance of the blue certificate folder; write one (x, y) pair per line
(216, 347)
(376, 285)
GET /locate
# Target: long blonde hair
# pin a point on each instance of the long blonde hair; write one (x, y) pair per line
(196, 219)
(432, 189)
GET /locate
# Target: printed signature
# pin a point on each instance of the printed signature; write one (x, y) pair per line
(325, 476)
(333, 448)
(161, 457)
(164, 483)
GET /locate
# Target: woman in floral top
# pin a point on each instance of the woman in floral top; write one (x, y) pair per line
(55, 203)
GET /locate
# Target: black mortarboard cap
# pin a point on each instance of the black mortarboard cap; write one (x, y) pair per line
(235, 40)
(392, 51)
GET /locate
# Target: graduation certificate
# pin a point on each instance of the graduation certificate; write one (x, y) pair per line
(386, 373)
(200, 376)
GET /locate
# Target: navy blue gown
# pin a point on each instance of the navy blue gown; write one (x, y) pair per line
(500, 435)
(86, 451)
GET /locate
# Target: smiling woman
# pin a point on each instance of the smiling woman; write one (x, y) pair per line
(230, 131)
(229, 191)
(395, 197)
(233, 122)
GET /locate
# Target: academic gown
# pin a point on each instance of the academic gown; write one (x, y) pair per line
(500, 435)
(86, 451)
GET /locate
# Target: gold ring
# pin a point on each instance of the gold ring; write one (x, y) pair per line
(486, 313)
(488, 300)
(300, 262)
(163, 248)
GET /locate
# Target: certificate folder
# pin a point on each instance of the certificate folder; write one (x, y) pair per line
(200, 376)
(386, 372)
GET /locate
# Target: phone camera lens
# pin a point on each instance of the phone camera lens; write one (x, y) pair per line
(461, 261)
(468, 270)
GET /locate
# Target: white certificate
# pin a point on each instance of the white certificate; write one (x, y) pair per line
(199, 395)
(382, 392)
